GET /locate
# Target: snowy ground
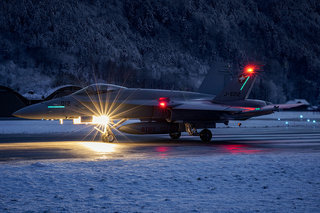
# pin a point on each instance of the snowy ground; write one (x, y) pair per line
(221, 183)
(278, 119)
(282, 181)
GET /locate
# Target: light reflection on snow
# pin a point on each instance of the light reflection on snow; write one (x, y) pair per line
(100, 147)
(162, 151)
(238, 149)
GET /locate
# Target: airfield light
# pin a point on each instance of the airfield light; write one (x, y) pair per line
(287, 122)
(102, 119)
(308, 120)
(279, 119)
(301, 116)
(314, 121)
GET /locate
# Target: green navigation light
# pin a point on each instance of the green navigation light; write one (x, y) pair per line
(244, 83)
(55, 107)
(257, 108)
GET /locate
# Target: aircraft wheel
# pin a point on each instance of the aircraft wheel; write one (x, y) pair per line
(175, 135)
(108, 138)
(206, 135)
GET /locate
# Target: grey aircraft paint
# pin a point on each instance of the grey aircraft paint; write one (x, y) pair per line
(182, 111)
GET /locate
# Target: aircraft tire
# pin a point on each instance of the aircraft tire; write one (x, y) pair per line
(108, 138)
(206, 135)
(175, 135)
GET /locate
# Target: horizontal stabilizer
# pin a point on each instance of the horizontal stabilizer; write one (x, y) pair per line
(282, 106)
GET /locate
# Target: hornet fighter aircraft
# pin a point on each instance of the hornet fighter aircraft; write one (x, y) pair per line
(170, 112)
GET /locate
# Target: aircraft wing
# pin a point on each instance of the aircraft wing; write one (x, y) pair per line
(202, 110)
(201, 105)
(209, 106)
(206, 106)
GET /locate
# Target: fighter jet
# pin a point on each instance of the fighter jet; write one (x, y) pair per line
(171, 112)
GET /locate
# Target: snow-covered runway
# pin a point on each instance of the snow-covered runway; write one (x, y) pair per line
(248, 169)
(267, 182)
(226, 141)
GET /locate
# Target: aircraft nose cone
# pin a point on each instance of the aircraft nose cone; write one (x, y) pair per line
(29, 112)
(16, 114)
(23, 113)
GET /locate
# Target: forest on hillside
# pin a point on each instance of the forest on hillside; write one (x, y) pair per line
(161, 44)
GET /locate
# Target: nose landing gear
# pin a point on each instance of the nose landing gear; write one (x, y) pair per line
(106, 131)
(108, 137)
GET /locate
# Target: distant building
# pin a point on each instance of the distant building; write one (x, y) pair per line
(305, 103)
(61, 91)
(11, 101)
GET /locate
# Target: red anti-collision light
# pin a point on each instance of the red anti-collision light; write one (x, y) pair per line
(163, 102)
(250, 69)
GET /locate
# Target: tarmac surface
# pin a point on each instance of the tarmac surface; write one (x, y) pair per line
(14, 147)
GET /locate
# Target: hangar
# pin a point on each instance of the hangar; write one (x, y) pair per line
(61, 91)
(11, 100)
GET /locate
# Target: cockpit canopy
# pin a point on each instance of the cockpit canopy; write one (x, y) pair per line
(98, 88)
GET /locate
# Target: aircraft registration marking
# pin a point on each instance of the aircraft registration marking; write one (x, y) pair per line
(65, 103)
(233, 94)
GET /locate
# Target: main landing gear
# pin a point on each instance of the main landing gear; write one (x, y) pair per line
(205, 134)
(175, 135)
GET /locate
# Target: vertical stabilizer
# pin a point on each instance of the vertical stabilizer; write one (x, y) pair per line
(239, 88)
(217, 78)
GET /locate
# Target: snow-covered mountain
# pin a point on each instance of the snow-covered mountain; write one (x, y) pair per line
(161, 44)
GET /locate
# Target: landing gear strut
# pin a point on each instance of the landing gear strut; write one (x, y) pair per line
(107, 134)
(206, 135)
(108, 137)
(191, 130)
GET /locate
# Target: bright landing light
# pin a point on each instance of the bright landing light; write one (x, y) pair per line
(102, 119)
